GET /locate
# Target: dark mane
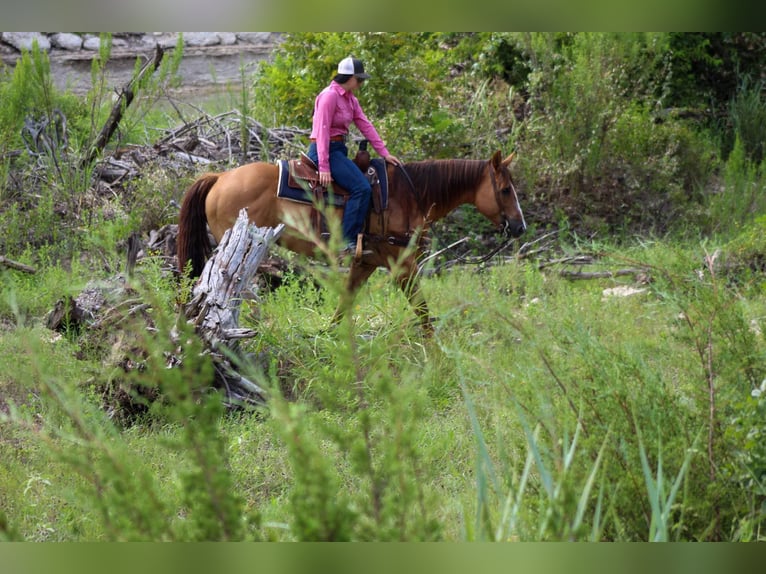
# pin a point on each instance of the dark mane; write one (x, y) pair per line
(437, 181)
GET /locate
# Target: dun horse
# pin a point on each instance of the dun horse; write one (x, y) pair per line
(420, 194)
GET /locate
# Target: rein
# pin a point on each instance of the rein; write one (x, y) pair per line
(407, 176)
(504, 244)
(404, 241)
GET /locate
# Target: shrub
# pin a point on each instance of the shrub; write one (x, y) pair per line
(748, 116)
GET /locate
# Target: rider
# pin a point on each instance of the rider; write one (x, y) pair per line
(335, 108)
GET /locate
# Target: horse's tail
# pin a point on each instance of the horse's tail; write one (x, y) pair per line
(193, 243)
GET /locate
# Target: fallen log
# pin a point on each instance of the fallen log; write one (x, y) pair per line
(600, 274)
(5, 262)
(216, 300)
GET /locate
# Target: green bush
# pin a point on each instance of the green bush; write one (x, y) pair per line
(741, 198)
(748, 116)
(403, 97)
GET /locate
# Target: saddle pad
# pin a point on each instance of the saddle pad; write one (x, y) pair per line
(298, 194)
(285, 191)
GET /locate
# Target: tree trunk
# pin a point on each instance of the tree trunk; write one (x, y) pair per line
(216, 298)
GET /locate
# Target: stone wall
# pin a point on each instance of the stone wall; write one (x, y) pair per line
(209, 59)
(61, 43)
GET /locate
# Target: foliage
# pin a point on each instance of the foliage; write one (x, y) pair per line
(28, 96)
(741, 199)
(403, 97)
(707, 67)
(116, 494)
(582, 418)
(748, 116)
(50, 199)
(592, 138)
(149, 90)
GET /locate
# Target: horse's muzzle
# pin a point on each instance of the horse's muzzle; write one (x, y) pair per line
(513, 227)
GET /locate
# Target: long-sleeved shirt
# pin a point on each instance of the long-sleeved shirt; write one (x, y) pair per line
(334, 110)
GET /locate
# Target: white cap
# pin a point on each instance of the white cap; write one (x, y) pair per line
(352, 67)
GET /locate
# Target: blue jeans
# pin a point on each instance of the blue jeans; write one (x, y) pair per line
(346, 174)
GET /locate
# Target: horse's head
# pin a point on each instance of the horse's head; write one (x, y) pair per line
(497, 199)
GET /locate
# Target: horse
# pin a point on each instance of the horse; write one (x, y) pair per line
(419, 194)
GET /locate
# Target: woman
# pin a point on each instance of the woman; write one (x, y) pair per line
(335, 108)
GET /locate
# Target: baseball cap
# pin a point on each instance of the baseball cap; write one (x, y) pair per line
(352, 67)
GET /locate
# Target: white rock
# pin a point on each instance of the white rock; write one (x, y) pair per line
(227, 38)
(24, 40)
(623, 291)
(166, 40)
(201, 38)
(66, 41)
(91, 43)
(254, 37)
(149, 40)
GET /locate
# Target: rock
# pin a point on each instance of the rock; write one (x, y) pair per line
(14, 42)
(201, 39)
(160, 39)
(66, 41)
(621, 291)
(149, 40)
(227, 38)
(91, 43)
(25, 40)
(254, 37)
(167, 40)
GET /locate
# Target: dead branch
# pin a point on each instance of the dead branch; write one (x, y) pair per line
(118, 109)
(5, 262)
(600, 274)
(569, 260)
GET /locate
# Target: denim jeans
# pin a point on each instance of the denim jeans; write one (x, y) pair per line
(346, 174)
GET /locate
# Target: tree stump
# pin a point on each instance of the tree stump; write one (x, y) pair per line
(216, 300)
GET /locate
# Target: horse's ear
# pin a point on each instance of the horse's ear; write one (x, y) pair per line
(507, 161)
(496, 159)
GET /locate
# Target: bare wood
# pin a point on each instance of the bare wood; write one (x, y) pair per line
(599, 274)
(571, 260)
(123, 101)
(5, 262)
(216, 299)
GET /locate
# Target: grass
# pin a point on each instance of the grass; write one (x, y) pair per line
(541, 410)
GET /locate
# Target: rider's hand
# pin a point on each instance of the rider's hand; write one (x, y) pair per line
(392, 159)
(325, 178)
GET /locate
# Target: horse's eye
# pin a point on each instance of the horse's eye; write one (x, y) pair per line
(506, 190)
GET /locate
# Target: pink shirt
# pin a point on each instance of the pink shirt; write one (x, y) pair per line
(334, 110)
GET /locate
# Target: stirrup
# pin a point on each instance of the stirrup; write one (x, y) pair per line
(356, 249)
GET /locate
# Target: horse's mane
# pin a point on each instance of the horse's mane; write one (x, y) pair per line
(436, 182)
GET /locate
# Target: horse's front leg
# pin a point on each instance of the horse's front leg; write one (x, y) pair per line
(357, 276)
(409, 284)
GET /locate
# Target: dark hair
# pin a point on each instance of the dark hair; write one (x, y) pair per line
(342, 78)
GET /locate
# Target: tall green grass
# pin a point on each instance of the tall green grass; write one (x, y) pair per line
(540, 410)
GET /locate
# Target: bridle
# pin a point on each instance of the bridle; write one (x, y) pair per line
(498, 193)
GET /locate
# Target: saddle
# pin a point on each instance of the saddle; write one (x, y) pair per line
(299, 181)
(304, 174)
